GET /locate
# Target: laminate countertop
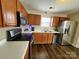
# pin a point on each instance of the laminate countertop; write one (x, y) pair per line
(41, 31)
(13, 50)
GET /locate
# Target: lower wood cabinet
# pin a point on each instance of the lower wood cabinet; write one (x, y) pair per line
(37, 38)
(27, 54)
(49, 38)
(42, 38)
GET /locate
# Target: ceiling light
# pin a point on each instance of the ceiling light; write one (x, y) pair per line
(62, 0)
(51, 7)
(45, 12)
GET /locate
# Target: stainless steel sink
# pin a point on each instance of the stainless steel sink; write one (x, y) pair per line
(46, 31)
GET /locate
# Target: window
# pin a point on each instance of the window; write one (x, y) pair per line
(45, 21)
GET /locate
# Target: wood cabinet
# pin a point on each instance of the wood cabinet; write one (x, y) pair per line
(31, 19)
(56, 20)
(27, 54)
(37, 38)
(49, 38)
(9, 12)
(37, 19)
(24, 13)
(0, 16)
(34, 19)
(19, 6)
(42, 38)
(0, 19)
(22, 10)
(63, 19)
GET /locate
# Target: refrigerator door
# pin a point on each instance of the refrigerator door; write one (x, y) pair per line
(62, 27)
(68, 32)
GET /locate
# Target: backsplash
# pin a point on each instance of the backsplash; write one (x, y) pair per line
(2, 33)
(38, 28)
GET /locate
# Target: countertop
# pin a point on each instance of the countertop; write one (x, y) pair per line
(39, 29)
(13, 50)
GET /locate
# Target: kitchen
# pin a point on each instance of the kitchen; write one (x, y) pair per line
(27, 31)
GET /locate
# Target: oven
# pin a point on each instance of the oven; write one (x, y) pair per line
(17, 35)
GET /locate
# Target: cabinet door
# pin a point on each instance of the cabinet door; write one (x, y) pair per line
(27, 54)
(37, 38)
(19, 6)
(49, 38)
(44, 39)
(55, 21)
(34, 19)
(63, 19)
(22, 10)
(31, 19)
(37, 19)
(9, 12)
(0, 17)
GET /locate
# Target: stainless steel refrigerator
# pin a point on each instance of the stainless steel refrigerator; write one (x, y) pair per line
(67, 30)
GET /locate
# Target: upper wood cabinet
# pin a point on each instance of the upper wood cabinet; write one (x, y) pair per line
(21, 9)
(19, 6)
(56, 20)
(0, 17)
(37, 19)
(63, 18)
(24, 12)
(34, 19)
(9, 12)
(31, 19)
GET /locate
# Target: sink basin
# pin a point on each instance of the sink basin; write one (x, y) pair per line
(46, 31)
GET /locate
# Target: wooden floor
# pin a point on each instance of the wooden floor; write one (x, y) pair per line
(54, 52)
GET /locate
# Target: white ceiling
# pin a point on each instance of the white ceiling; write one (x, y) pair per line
(59, 6)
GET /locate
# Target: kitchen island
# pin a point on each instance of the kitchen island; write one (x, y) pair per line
(14, 50)
(41, 35)
(39, 30)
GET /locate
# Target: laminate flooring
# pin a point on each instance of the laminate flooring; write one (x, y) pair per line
(54, 52)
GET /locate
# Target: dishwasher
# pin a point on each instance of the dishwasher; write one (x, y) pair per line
(55, 38)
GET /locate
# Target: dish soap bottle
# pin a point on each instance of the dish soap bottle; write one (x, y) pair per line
(30, 27)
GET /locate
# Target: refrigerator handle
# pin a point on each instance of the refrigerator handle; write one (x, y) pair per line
(66, 31)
